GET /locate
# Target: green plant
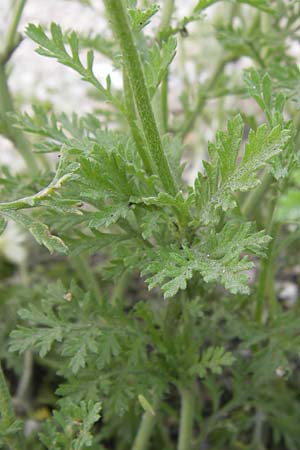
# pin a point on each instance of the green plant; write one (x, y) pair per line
(167, 369)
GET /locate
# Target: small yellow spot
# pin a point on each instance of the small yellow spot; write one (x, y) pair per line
(41, 414)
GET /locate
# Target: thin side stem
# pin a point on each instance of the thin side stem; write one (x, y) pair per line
(25, 379)
(133, 66)
(265, 291)
(201, 99)
(265, 288)
(14, 134)
(186, 419)
(12, 31)
(142, 438)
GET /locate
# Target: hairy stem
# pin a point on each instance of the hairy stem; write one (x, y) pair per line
(135, 132)
(164, 103)
(133, 66)
(186, 419)
(164, 25)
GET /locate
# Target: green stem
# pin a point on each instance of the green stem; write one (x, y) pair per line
(14, 134)
(164, 25)
(6, 101)
(135, 132)
(11, 35)
(7, 413)
(186, 419)
(201, 99)
(167, 15)
(164, 103)
(25, 378)
(142, 438)
(133, 66)
(265, 289)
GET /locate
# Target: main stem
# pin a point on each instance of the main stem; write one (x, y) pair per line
(186, 419)
(167, 12)
(135, 132)
(133, 66)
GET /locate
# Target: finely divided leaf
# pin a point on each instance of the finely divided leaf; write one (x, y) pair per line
(224, 176)
(213, 359)
(157, 65)
(216, 259)
(54, 47)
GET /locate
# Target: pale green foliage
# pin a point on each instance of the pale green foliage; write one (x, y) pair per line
(260, 88)
(114, 227)
(217, 259)
(225, 175)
